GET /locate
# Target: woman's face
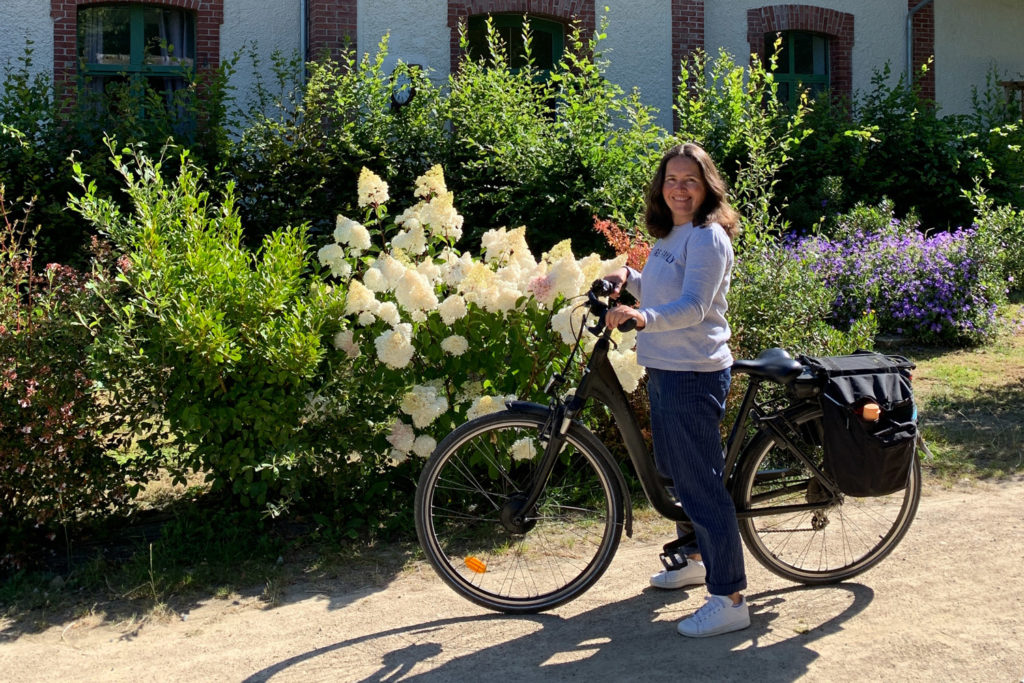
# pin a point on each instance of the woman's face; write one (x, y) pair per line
(683, 189)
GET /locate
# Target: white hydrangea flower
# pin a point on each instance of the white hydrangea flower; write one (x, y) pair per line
(374, 280)
(431, 183)
(345, 341)
(485, 405)
(394, 347)
(415, 293)
(566, 323)
(388, 312)
(456, 345)
(353, 457)
(396, 457)
(418, 316)
(423, 404)
(442, 218)
(401, 436)
(352, 233)
(594, 267)
(371, 189)
(454, 266)
(366, 319)
(524, 449)
(424, 445)
(626, 369)
(391, 269)
(508, 247)
(413, 240)
(452, 308)
(333, 256)
(359, 299)
(430, 270)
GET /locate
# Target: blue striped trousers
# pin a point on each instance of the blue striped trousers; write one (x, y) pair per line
(686, 411)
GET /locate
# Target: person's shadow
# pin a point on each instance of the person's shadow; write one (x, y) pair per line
(620, 641)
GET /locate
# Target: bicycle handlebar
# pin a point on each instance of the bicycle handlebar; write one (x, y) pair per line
(603, 288)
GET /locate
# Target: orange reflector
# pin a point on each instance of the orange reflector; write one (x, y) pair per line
(475, 565)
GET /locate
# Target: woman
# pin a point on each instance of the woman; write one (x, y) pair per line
(684, 346)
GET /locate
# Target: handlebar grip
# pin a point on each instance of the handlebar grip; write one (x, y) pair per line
(602, 287)
(627, 326)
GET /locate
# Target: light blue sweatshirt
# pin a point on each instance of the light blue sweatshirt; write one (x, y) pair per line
(682, 292)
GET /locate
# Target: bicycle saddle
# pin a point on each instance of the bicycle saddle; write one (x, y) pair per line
(775, 364)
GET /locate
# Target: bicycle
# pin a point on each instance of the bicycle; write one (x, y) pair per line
(522, 510)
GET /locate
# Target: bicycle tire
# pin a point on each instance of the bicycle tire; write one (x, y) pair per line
(472, 475)
(820, 546)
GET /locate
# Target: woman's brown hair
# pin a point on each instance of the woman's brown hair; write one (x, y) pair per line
(714, 209)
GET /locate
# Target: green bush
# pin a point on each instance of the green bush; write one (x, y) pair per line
(226, 342)
(43, 123)
(55, 469)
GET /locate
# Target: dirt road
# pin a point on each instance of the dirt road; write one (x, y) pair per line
(947, 605)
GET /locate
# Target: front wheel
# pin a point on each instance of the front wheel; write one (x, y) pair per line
(841, 536)
(476, 534)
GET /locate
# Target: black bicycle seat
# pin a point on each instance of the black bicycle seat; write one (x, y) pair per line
(775, 364)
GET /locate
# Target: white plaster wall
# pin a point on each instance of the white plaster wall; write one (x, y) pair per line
(879, 32)
(639, 50)
(266, 24)
(418, 30)
(22, 20)
(969, 39)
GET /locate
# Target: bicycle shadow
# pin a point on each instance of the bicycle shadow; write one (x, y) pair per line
(615, 641)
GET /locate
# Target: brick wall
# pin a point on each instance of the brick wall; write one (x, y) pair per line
(687, 36)
(331, 26)
(838, 26)
(923, 27)
(209, 17)
(563, 11)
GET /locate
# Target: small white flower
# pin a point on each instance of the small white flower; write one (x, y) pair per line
(394, 347)
(345, 341)
(485, 405)
(424, 445)
(431, 183)
(401, 436)
(423, 404)
(359, 299)
(353, 457)
(523, 449)
(456, 345)
(388, 312)
(451, 309)
(371, 189)
(396, 457)
(415, 293)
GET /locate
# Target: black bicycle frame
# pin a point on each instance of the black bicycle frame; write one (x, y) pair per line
(600, 383)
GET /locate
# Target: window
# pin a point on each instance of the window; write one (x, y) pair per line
(803, 64)
(136, 44)
(548, 39)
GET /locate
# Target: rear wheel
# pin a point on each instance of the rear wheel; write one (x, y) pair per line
(830, 543)
(485, 545)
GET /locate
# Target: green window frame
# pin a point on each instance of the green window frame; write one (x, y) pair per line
(803, 64)
(123, 41)
(547, 45)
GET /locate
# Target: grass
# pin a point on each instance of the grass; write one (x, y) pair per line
(971, 412)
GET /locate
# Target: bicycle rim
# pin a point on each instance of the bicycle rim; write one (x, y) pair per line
(481, 469)
(827, 544)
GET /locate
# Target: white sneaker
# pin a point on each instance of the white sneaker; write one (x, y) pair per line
(693, 574)
(717, 616)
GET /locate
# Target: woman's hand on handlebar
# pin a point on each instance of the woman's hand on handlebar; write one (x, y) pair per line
(618, 279)
(620, 314)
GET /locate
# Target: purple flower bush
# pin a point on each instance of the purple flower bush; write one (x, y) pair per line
(942, 288)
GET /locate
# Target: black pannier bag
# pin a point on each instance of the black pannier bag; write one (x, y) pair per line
(865, 456)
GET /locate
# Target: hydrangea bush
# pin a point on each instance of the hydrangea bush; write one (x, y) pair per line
(436, 337)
